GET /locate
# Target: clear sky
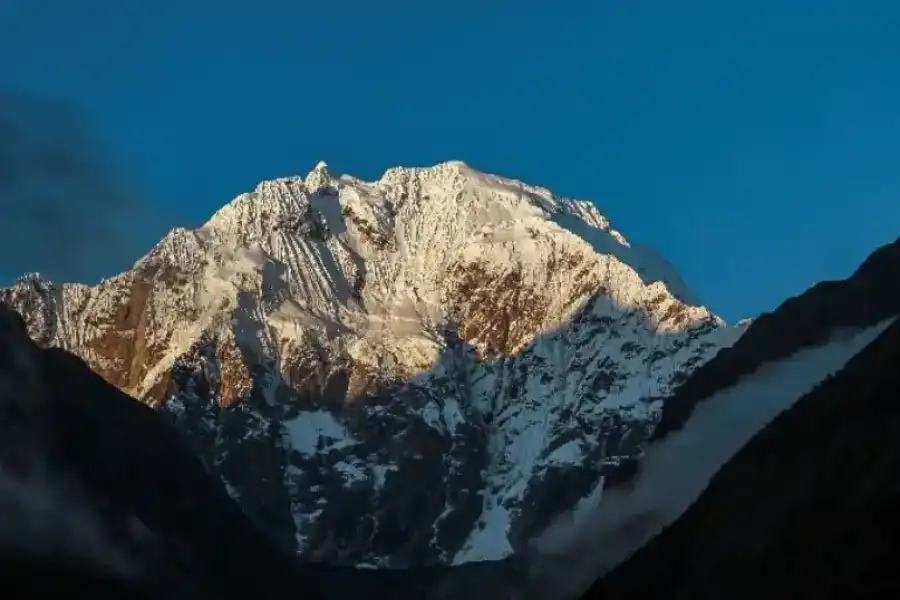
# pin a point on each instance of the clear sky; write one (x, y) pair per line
(755, 144)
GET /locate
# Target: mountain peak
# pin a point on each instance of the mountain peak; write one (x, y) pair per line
(456, 164)
(333, 308)
(319, 177)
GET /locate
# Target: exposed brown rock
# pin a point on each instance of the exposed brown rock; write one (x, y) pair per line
(235, 379)
(498, 315)
(120, 341)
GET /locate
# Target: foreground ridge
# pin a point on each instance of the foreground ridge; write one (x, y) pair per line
(805, 503)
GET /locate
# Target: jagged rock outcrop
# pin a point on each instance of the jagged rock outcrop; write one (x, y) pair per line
(423, 369)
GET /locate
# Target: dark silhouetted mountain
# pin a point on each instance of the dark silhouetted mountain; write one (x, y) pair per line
(807, 509)
(103, 494)
(865, 298)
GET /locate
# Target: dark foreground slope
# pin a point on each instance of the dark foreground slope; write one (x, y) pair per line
(867, 297)
(133, 477)
(807, 509)
(101, 494)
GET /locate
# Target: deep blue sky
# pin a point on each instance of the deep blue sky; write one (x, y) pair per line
(756, 146)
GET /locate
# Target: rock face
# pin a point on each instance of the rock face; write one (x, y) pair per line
(423, 369)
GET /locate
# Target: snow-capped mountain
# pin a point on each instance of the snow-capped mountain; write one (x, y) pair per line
(426, 368)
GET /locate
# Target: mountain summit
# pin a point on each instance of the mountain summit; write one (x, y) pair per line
(425, 368)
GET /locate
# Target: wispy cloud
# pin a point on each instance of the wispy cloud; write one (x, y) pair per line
(63, 203)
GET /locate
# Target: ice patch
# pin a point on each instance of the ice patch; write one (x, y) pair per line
(489, 538)
(317, 431)
(379, 474)
(351, 473)
(568, 454)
